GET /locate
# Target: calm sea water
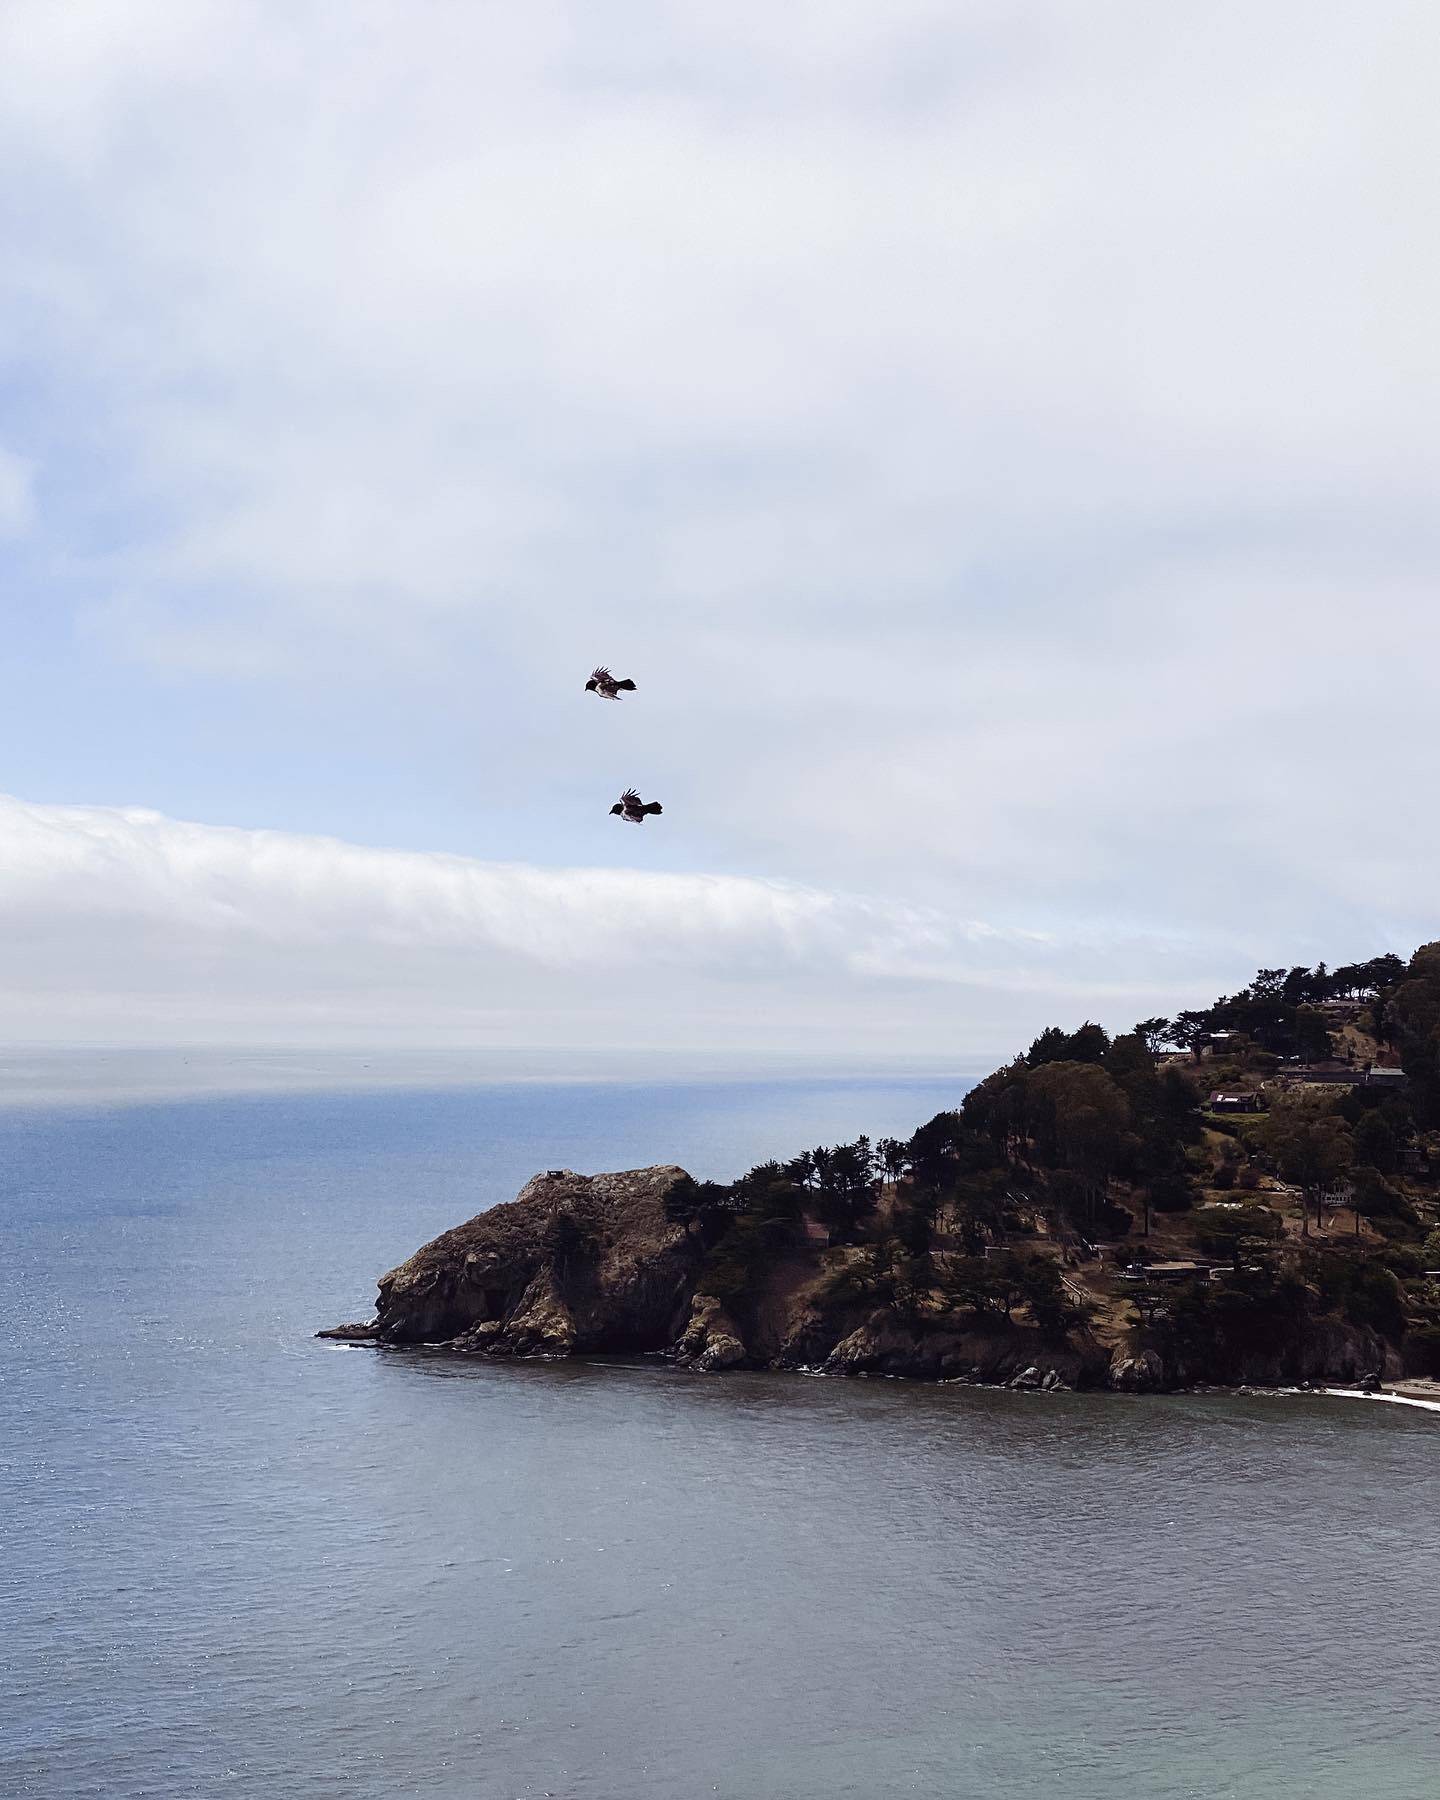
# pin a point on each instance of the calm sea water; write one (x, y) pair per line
(239, 1562)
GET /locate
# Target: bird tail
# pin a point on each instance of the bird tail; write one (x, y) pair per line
(629, 686)
(654, 807)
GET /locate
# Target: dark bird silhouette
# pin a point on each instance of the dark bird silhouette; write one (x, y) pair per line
(630, 806)
(603, 683)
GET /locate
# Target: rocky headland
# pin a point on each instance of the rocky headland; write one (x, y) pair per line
(596, 1264)
(1244, 1195)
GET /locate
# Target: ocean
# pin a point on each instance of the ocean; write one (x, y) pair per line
(239, 1562)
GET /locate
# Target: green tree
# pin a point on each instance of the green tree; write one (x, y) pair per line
(801, 1169)
(934, 1149)
(1312, 1035)
(894, 1158)
(1236, 1231)
(1170, 1193)
(1413, 1016)
(1312, 1147)
(1051, 1046)
(708, 1205)
(1190, 1027)
(852, 1187)
(996, 1108)
(768, 1192)
(1131, 1063)
(1089, 1044)
(1080, 1119)
(1375, 1143)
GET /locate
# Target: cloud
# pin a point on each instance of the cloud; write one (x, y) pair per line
(1002, 440)
(120, 922)
(16, 494)
(423, 313)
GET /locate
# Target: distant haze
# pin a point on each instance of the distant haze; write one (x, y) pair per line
(1000, 442)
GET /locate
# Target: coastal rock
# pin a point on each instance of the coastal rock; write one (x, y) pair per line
(811, 1335)
(1141, 1373)
(574, 1263)
(542, 1325)
(711, 1338)
(855, 1354)
(1322, 1352)
(1002, 1356)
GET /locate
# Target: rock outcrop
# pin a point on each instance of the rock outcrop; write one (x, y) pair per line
(1004, 1355)
(1320, 1350)
(711, 1339)
(574, 1263)
(1140, 1372)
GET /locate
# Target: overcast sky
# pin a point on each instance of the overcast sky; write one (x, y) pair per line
(1000, 441)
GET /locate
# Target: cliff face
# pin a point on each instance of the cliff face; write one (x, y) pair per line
(574, 1263)
(1319, 1351)
(591, 1264)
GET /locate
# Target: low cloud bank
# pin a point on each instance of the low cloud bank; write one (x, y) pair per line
(120, 924)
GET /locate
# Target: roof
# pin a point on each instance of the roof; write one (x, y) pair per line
(1329, 1072)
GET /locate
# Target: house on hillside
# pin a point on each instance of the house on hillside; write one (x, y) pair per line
(1221, 1102)
(1168, 1271)
(1320, 1074)
(1387, 1081)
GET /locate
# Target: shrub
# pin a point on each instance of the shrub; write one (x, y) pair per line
(1225, 1231)
(729, 1269)
(866, 1279)
(1401, 1259)
(1375, 1299)
(1112, 1220)
(1385, 1206)
(1172, 1193)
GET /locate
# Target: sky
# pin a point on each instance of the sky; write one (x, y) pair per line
(1001, 442)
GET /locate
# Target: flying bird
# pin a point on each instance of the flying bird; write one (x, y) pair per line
(603, 683)
(630, 806)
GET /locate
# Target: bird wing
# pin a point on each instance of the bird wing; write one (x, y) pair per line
(601, 675)
(630, 798)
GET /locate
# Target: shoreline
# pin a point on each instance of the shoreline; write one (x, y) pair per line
(1427, 1400)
